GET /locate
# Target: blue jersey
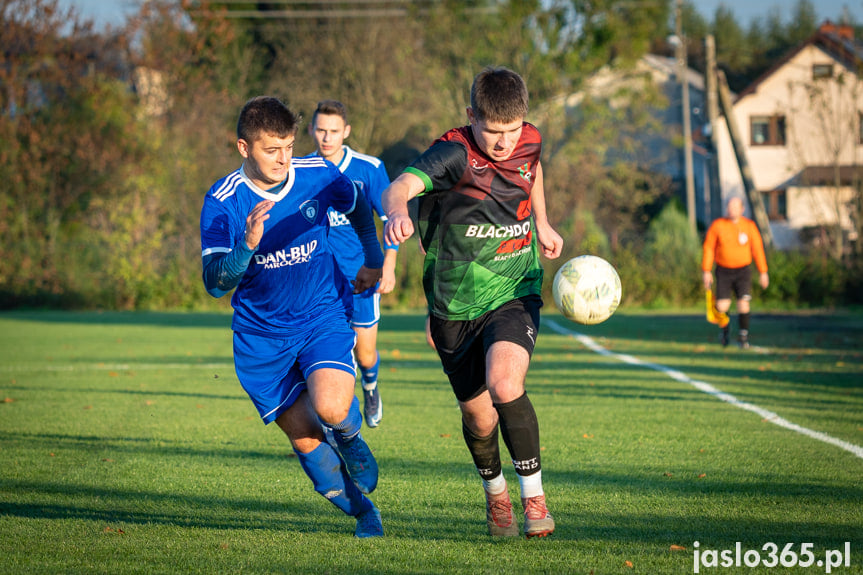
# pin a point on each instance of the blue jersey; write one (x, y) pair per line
(292, 280)
(370, 177)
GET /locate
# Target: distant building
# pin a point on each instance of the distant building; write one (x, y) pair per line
(662, 150)
(802, 126)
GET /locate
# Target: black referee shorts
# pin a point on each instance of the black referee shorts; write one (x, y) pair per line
(737, 281)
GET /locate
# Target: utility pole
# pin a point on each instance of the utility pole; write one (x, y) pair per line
(683, 75)
(713, 203)
(755, 203)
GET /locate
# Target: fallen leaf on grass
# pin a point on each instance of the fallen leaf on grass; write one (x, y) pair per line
(668, 474)
(88, 407)
(702, 476)
(445, 435)
(628, 564)
(678, 548)
(8, 400)
(588, 436)
(118, 531)
(113, 374)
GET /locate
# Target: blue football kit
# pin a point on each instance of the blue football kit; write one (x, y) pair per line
(370, 178)
(292, 303)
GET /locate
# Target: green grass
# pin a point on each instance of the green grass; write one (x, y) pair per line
(128, 446)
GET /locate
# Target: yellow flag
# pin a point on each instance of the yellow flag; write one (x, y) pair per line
(713, 314)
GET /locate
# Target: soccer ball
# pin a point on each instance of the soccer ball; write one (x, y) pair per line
(587, 289)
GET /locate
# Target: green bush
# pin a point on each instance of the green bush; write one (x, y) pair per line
(670, 261)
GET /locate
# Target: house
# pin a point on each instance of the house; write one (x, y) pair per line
(801, 125)
(661, 149)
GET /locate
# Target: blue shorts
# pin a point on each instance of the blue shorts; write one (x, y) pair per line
(367, 308)
(273, 371)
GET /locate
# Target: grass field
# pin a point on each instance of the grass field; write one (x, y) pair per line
(128, 446)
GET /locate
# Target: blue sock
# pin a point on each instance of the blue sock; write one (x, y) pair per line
(350, 426)
(370, 375)
(331, 480)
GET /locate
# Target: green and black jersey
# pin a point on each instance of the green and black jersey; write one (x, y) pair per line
(475, 224)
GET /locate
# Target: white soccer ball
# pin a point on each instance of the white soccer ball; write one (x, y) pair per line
(587, 289)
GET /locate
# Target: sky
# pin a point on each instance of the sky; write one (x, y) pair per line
(113, 11)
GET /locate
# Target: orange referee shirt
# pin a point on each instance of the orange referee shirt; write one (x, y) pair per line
(733, 245)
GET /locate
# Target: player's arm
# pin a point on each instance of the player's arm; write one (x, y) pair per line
(362, 220)
(378, 182)
(223, 271)
(395, 198)
(438, 168)
(707, 255)
(388, 273)
(759, 256)
(549, 240)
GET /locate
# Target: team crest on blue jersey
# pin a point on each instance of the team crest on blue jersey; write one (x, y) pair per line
(309, 209)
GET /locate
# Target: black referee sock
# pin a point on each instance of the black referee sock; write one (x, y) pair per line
(520, 430)
(743, 320)
(485, 452)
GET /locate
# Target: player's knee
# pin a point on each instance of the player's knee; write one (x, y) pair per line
(333, 413)
(505, 388)
(480, 423)
(367, 356)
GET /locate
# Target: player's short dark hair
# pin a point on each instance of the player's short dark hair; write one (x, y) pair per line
(498, 95)
(331, 108)
(264, 115)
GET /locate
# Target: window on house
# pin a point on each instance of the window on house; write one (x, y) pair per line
(775, 204)
(822, 71)
(767, 130)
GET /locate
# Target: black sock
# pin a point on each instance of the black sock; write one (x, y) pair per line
(743, 318)
(520, 431)
(485, 452)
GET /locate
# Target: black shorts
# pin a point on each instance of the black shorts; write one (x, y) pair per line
(737, 281)
(463, 345)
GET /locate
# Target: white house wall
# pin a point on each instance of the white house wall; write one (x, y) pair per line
(821, 130)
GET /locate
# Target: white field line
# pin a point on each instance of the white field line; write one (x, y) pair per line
(766, 415)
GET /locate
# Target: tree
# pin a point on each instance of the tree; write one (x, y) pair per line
(63, 141)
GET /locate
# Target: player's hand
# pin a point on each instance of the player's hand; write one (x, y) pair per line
(708, 280)
(366, 278)
(549, 241)
(255, 223)
(764, 280)
(398, 228)
(388, 281)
